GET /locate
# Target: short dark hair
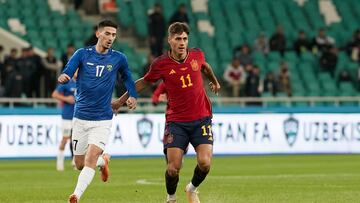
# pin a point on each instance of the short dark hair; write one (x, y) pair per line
(107, 23)
(178, 28)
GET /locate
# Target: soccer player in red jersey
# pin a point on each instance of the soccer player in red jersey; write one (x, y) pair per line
(188, 114)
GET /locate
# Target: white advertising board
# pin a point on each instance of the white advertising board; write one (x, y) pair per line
(138, 134)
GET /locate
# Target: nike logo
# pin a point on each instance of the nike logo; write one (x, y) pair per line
(90, 64)
(184, 68)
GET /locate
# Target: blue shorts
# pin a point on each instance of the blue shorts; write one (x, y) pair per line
(180, 134)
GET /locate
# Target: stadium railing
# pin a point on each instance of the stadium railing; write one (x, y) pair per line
(145, 104)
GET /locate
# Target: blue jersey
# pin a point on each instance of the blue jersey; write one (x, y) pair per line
(67, 90)
(96, 81)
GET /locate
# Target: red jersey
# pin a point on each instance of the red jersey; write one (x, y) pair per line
(187, 100)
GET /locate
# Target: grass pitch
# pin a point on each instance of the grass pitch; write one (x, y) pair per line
(270, 179)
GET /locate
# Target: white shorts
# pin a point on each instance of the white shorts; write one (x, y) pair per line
(66, 126)
(90, 132)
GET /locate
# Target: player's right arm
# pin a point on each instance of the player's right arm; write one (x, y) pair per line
(71, 67)
(152, 76)
(60, 97)
(140, 85)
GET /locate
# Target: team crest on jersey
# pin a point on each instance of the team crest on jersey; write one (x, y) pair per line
(109, 67)
(172, 72)
(194, 65)
(144, 129)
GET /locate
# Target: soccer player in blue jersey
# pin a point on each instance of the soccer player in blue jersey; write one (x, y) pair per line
(98, 66)
(65, 93)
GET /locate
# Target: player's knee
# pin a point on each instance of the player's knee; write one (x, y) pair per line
(79, 163)
(79, 166)
(204, 165)
(173, 171)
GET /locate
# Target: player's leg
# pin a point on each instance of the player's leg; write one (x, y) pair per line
(204, 156)
(202, 140)
(66, 128)
(98, 134)
(80, 148)
(72, 152)
(175, 143)
(174, 161)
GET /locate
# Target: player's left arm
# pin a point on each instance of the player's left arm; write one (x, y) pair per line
(209, 73)
(129, 84)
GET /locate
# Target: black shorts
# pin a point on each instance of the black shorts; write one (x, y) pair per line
(180, 134)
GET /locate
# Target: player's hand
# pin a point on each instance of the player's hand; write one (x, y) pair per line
(69, 99)
(215, 87)
(131, 103)
(163, 97)
(116, 104)
(63, 78)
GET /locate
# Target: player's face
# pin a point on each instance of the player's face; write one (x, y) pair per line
(179, 43)
(106, 36)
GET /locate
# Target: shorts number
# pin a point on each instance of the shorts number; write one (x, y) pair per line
(75, 143)
(206, 130)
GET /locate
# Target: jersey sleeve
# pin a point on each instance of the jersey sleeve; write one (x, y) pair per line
(60, 88)
(154, 73)
(126, 77)
(202, 59)
(74, 63)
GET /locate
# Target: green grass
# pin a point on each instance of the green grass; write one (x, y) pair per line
(297, 178)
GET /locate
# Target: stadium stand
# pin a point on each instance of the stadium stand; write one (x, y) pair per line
(234, 22)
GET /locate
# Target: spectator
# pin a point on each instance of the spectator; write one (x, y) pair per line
(92, 40)
(234, 75)
(9, 60)
(1, 65)
(328, 60)
(37, 72)
(344, 76)
(322, 42)
(157, 30)
(180, 15)
(52, 68)
(243, 54)
(13, 83)
(2, 56)
(278, 41)
(150, 59)
(252, 84)
(353, 47)
(67, 55)
(270, 85)
(77, 4)
(302, 44)
(284, 82)
(261, 44)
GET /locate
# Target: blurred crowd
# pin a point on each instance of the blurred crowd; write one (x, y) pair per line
(25, 74)
(243, 75)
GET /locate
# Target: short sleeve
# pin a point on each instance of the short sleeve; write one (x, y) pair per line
(154, 73)
(60, 88)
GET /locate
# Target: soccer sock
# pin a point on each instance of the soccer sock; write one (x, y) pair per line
(198, 177)
(171, 183)
(60, 160)
(85, 178)
(100, 162)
